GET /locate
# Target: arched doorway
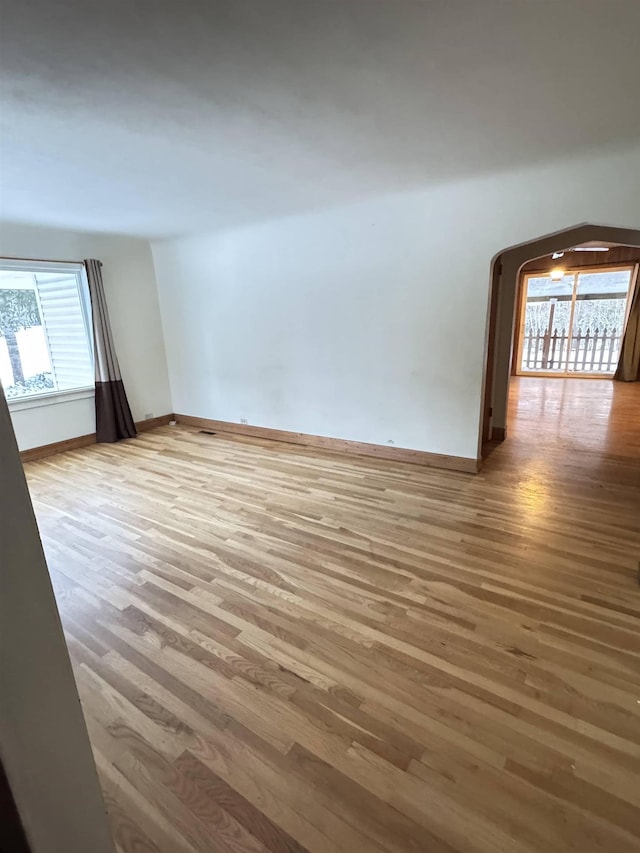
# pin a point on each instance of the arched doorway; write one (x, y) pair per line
(505, 279)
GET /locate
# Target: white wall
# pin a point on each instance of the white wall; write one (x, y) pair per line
(135, 319)
(366, 322)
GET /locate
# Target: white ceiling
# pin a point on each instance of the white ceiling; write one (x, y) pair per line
(155, 118)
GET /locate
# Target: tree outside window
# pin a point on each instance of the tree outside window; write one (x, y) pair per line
(18, 311)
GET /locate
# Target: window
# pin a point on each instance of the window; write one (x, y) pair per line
(45, 332)
(573, 325)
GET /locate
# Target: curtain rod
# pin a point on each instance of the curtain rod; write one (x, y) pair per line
(42, 260)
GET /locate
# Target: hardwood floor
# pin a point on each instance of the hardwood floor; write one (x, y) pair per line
(284, 649)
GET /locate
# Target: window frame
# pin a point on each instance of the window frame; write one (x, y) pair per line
(575, 272)
(45, 398)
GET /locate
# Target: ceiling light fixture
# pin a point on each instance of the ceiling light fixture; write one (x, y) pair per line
(557, 255)
(557, 274)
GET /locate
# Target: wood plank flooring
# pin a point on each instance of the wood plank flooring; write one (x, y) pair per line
(284, 649)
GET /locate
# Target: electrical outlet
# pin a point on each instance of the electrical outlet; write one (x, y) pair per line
(148, 416)
(390, 441)
(244, 421)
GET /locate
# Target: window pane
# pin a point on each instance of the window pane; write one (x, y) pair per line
(44, 339)
(25, 365)
(546, 324)
(598, 323)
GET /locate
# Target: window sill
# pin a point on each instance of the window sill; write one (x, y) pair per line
(50, 399)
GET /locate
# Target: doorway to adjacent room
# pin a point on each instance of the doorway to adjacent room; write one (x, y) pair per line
(563, 307)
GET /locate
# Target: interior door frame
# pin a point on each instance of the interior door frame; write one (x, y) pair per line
(504, 271)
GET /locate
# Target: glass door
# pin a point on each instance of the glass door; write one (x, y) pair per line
(573, 324)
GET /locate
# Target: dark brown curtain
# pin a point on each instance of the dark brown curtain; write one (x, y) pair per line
(629, 365)
(113, 415)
